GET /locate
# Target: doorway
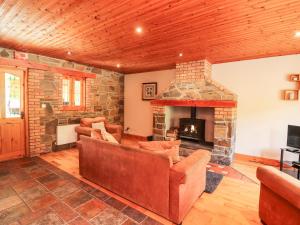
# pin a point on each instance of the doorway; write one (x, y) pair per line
(12, 116)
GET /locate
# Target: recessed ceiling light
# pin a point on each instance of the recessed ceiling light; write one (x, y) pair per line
(297, 34)
(180, 54)
(69, 53)
(139, 30)
(118, 65)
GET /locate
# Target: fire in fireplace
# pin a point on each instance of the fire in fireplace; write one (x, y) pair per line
(192, 128)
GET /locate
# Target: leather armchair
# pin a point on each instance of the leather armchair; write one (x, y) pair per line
(85, 128)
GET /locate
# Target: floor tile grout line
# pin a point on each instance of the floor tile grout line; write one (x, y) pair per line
(66, 206)
(126, 205)
(25, 202)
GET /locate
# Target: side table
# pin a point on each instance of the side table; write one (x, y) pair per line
(294, 164)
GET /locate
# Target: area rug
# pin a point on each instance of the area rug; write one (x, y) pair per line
(212, 181)
(32, 192)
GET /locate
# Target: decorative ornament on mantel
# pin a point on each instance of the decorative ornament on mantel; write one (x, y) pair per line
(292, 95)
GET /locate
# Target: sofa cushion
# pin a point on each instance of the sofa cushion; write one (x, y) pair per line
(96, 134)
(87, 122)
(158, 145)
(99, 125)
(173, 153)
(105, 135)
(169, 148)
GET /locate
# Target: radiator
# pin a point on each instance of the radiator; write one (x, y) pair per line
(66, 134)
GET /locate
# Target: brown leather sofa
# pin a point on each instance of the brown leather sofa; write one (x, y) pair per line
(145, 178)
(279, 201)
(85, 127)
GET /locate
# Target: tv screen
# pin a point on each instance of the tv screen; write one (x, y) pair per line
(293, 139)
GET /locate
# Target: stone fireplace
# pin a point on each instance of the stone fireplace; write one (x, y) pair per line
(194, 88)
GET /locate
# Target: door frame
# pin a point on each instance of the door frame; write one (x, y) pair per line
(25, 104)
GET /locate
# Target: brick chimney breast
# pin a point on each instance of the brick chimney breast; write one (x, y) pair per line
(193, 82)
(193, 71)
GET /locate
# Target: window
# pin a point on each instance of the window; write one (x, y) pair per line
(10, 97)
(73, 93)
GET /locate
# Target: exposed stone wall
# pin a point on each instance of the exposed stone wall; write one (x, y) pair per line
(104, 97)
(224, 135)
(197, 90)
(159, 123)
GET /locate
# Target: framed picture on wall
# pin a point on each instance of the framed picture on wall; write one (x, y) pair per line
(149, 90)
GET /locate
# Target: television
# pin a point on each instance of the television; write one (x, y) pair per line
(293, 137)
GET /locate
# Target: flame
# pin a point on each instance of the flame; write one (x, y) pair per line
(192, 128)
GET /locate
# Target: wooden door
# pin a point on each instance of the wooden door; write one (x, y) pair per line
(12, 124)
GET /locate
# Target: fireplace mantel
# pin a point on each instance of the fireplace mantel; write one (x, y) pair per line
(195, 103)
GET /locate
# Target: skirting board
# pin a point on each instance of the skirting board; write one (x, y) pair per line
(257, 159)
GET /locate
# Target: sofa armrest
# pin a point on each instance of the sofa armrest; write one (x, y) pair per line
(113, 128)
(83, 130)
(188, 166)
(187, 183)
(280, 183)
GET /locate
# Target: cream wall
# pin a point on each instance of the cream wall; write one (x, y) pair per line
(262, 115)
(138, 113)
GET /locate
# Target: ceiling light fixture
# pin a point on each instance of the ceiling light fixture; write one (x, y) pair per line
(69, 53)
(118, 65)
(139, 30)
(180, 54)
(297, 34)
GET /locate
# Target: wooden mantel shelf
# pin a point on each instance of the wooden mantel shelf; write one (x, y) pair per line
(195, 103)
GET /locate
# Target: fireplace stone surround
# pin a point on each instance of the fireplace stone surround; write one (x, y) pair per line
(193, 87)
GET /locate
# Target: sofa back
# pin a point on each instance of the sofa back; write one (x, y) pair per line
(87, 122)
(141, 177)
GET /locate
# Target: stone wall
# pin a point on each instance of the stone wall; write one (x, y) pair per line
(159, 123)
(104, 97)
(224, 135)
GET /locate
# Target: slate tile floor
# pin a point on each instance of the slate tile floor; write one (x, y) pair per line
(34, 192)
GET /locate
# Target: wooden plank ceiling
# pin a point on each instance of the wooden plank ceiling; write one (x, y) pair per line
(102, 33)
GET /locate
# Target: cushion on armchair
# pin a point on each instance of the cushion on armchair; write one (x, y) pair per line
(96, 134)
(86, 127)
(105, 135)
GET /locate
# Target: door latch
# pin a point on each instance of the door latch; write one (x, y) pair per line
(22, 115)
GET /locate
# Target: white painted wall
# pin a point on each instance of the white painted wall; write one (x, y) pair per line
(262, 115)
(138, 113)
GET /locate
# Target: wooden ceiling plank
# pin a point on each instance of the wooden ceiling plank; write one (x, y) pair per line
(221, 30)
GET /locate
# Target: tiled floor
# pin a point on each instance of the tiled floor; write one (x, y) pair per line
(32, 191)
(234, 202)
